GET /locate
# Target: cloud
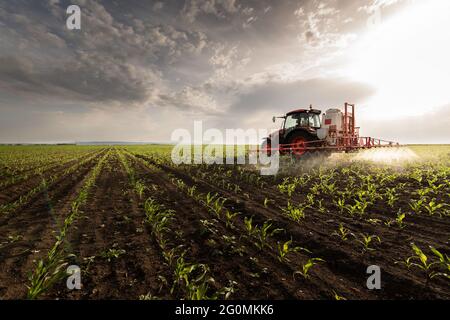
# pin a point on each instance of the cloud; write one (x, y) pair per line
(283, 96)
(229, 62)
(218, 8)
(92, 78)
(191, 100)
(106, 62)
(158, 6)
(378, 4)
(320, 25)
(430, 127)
(37, 126)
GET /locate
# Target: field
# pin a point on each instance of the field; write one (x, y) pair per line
(140, 227)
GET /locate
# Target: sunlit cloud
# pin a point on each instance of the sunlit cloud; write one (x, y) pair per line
(406, 59)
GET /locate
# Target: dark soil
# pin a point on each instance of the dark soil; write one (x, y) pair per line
(120, 257)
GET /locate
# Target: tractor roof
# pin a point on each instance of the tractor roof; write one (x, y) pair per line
(304, 111)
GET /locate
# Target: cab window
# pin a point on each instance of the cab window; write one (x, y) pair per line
(314, 120)
(302, 120)
(297, 119)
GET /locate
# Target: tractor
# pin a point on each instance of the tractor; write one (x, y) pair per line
(305, 132)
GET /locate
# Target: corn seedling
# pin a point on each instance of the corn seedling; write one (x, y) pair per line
(191, 191)
(47, 273)
(423, 192)
(148, 296)
(11, 239)
(422, 262)
(328, 188)
(342, 232)
(338, 297)
(321, 208)
(158, 217)
(140, 188)
(444, 261)
(304, 271)
(217, 206)
(416, 175)
(340, 203)
(285, 248)
(296, 213)
(267, 201)
(262, 233)
(265, 232)
(367, 240)
(432, 207)
(361, 205)
(112, 254)
(374, 221)
(416, 205)
(310, 199)
(249, 227)
(286, 187)
(352, 210)
(210, 198)
(192, 278)
(230, 289)
(399, 220)
(229, 216)
(391, 196)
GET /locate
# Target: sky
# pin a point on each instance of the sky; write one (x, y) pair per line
(138, 70)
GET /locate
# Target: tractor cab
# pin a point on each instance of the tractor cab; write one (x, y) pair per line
(299, 127)
(302, 118)
(307, 120)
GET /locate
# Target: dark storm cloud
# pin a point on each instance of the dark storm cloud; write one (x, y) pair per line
(107, 61)
(89, 78)
(139, 52)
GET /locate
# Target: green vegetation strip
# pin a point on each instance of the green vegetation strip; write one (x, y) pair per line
(17, 177)
(45, 183)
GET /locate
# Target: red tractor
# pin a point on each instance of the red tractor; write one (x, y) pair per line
(305, 132)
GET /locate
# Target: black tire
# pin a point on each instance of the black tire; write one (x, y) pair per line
(296, 138)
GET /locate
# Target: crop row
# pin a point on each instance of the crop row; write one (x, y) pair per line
(190, 280)
(51, 268)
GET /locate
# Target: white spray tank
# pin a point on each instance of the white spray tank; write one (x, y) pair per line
(332, 125)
